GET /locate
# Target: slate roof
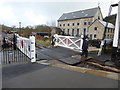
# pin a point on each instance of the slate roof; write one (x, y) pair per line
(110, 25)
(79, 14)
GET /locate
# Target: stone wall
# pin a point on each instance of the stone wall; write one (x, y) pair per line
(100, 31)
(64, 25)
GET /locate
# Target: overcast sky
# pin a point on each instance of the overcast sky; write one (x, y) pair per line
(34, 12)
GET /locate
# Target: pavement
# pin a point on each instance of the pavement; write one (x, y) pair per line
(28, 75)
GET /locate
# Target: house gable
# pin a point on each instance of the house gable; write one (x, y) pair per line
(98, 15)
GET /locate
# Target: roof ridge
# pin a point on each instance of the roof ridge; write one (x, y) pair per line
(81, 10)
(79, 14)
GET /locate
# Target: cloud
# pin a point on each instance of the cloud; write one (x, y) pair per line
(28, 14)
(7, 14)
(58, 0)
(32, 12)
(34, 19)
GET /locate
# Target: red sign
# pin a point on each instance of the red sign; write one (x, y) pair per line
(22, 43)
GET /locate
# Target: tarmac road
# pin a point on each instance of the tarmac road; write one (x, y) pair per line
(59, 53)
(55, 53)
(35, 75)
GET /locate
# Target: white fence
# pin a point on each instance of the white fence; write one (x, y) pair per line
(68, 42)
(27, 46)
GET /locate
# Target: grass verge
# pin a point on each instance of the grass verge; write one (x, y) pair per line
(46, 42)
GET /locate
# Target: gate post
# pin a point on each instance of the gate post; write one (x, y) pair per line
(14, 42)
(32, 48)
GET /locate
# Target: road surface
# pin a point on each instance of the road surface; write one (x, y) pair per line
(59, 53)
(35, 75)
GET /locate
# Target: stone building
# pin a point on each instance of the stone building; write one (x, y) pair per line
(96, 30)
(77, 23)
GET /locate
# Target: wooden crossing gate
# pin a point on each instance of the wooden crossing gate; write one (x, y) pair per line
(68, 42)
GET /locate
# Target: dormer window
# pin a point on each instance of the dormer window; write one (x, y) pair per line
(82, 11)
(74, 16)
(86, 14)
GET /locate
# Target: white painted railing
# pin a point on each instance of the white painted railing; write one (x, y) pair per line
(68, 42)
(27, 46)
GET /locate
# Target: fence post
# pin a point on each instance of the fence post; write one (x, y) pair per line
(32, 48)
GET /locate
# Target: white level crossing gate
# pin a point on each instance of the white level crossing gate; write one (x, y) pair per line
(27, 46)
(68, 42)
(18, 49)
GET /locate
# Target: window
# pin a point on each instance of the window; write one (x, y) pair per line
(63, 31)
(84, 31)
(111, 30)
(73, 24)
(78, 23)
(95, 28)
(89, 23)
(68, 24)
(90, 36)
(68, 31)
(85, 23)
(77, 32)
(87, 34)
(111, 36)
(95, 35)
(108, 30)
(63, 24)
(108, 36)
(72, 32)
